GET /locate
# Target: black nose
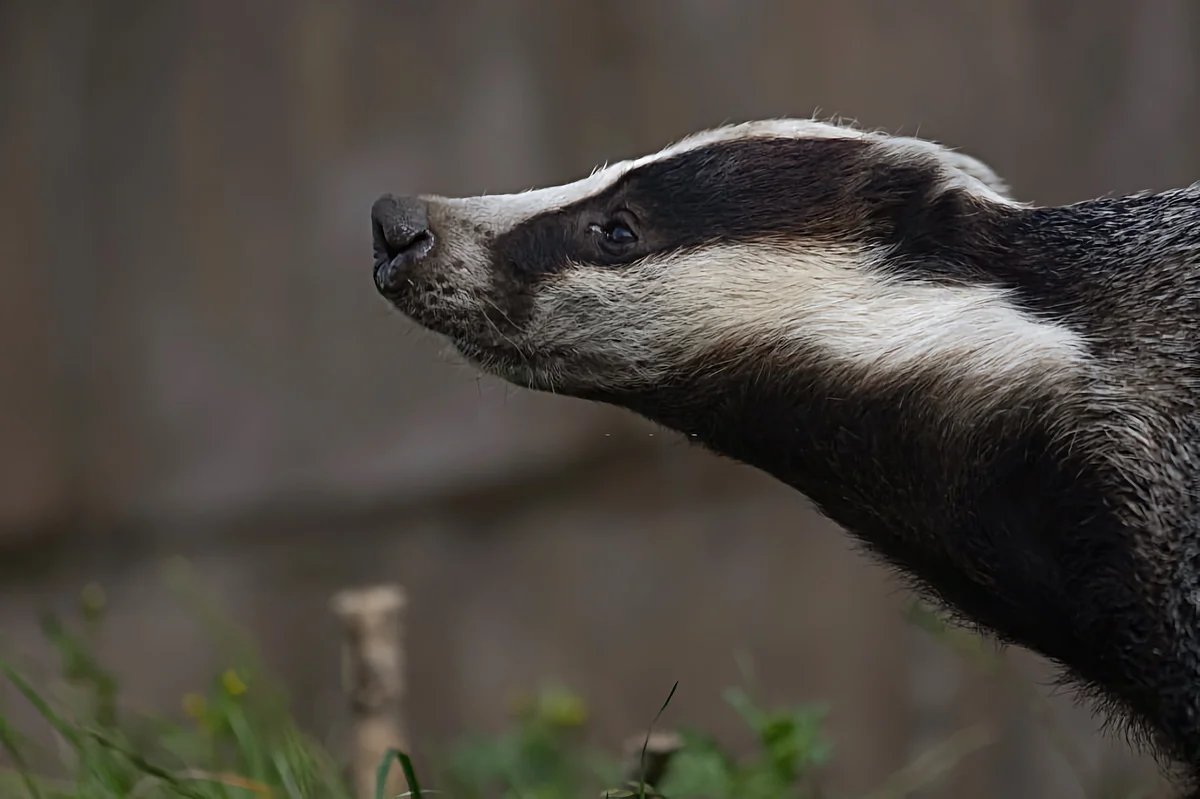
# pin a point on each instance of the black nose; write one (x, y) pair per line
(400, 229)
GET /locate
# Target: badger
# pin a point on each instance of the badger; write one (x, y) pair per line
(997, 399)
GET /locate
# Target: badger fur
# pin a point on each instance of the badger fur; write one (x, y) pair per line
(997, 399)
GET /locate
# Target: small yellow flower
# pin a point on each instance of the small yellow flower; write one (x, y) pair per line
(563, 708)
(195, 706)
(232, 683)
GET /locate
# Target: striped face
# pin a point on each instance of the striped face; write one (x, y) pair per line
(984, 393)
(800, 238)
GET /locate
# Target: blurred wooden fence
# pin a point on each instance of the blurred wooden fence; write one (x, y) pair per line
(193, 358)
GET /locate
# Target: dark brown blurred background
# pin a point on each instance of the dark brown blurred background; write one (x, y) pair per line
(193, 359)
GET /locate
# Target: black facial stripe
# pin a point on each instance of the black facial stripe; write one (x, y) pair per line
(815, 189)
(745, 190)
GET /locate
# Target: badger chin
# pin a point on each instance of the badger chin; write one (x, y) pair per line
(503, 359)
(565, 372)
(509, 364)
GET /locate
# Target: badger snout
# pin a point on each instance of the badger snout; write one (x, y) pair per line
(402, 238)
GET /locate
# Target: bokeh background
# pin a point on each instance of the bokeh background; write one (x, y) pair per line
(193, 359)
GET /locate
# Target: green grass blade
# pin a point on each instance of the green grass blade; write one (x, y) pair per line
(41, 705)
(286, 776)
(410, 774)
(646, 743)
(144, 765)
(9, 741)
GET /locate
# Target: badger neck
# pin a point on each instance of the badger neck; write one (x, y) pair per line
(990, 516)
(945, 497)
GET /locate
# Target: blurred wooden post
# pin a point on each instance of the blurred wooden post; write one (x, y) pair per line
(373, 680)
(659, 748)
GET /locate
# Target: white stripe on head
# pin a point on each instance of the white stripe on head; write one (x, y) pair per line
(500, 212)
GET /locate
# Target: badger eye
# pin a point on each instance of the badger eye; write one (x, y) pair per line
(619, 233)
(615, 233)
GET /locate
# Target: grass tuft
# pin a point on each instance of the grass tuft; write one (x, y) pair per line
(238, 739)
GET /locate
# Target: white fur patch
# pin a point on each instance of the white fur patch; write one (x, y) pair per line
(673, 312)
(501, 212)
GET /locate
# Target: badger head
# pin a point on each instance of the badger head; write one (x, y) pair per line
(780, 234)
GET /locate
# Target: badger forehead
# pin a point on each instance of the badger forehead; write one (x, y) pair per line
(501, 212)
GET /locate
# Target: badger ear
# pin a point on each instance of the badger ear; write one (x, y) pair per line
(974, 168)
